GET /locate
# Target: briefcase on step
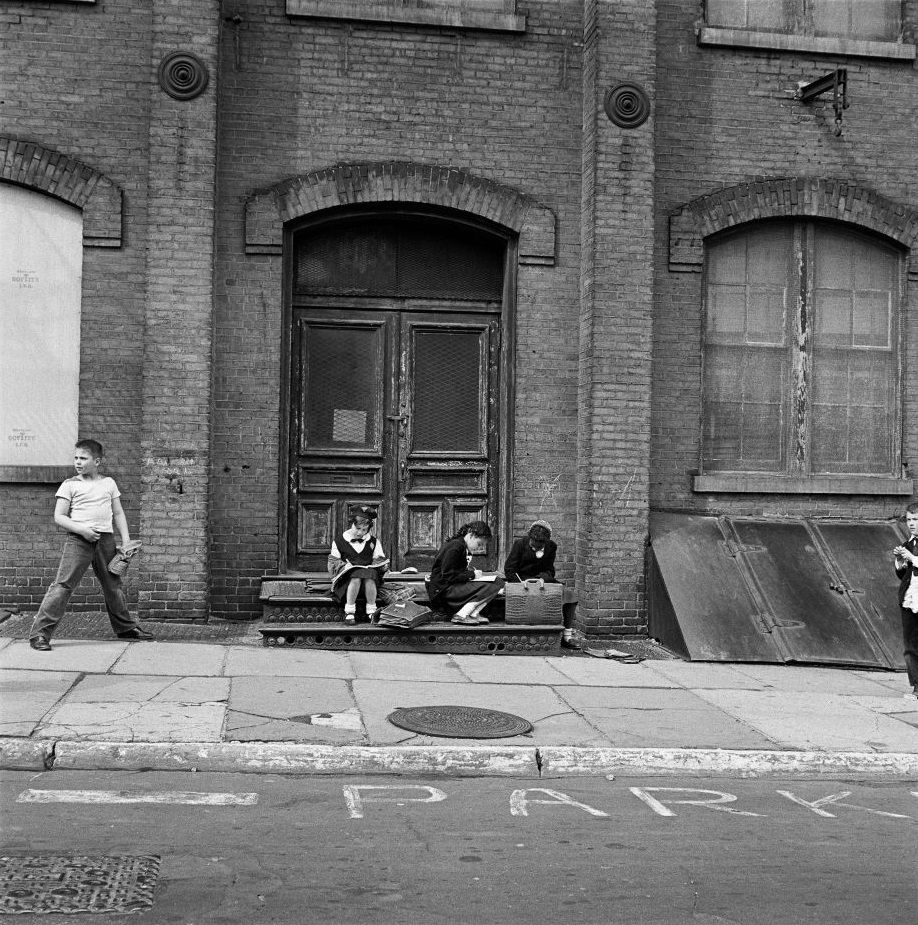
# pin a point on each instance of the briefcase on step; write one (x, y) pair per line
(534, 602)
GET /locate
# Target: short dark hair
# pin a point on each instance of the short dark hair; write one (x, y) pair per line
(539, 534)
(476, 528)
(363, 513)
(912, 508)
(94, 447)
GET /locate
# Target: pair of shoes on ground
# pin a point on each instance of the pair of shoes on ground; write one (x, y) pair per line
(351, 618)
(469, 621)
(138, 634)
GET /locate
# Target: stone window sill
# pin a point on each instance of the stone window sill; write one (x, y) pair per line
(763, 483)
(40, 475)
(492, 15)
(781, 41)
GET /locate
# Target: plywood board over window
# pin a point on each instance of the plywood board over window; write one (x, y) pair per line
(801, 358)
(41, 259)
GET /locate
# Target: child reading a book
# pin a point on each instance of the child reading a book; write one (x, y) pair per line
(453, 585)
(357, 563)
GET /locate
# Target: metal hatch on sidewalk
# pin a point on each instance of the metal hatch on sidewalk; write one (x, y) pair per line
(774, 590)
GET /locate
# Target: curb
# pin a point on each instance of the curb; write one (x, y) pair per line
(717, 762)
(26, 754)
(297, 758)
(454, 761)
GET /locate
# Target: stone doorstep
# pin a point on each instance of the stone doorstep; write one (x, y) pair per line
(440, 636)
(293, 614)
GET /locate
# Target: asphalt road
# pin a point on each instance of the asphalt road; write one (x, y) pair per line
(245, 848)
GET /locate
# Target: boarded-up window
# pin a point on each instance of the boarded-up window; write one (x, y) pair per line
(41, 265)
(877, 20)
(800, 365)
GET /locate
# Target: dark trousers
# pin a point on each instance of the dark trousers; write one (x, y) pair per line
(910, 639)
(77, 555)
(453, 597)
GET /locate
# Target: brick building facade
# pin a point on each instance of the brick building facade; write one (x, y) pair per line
(605, 147)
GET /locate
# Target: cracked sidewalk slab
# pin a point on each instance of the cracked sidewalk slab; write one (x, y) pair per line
(26, 696)
(806, 720)
(320, 710)
(137, 708)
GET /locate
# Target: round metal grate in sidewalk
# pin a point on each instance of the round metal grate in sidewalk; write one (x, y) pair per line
(459, 722)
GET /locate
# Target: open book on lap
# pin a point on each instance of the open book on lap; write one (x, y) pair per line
(377, 564)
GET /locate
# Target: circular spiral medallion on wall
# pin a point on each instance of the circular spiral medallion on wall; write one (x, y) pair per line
(627, 105)
(183, 75)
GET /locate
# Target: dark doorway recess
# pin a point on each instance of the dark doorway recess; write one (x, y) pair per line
(396, 387)
(775, 590)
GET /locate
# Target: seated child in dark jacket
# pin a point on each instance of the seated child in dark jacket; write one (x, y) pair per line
(453, 583)
(532, 556)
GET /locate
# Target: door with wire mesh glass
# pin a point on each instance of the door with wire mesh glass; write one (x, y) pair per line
(395, 388)
(447, 447)
(395, 410)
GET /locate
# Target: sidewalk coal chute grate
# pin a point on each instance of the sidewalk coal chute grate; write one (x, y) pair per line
(72, 884)
(459, 722)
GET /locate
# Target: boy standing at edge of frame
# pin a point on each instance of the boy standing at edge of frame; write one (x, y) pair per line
(906, 562)
(88, 506)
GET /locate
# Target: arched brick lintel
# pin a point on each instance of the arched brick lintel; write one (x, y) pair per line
(267, 210)
(45, 170)
(785, 197)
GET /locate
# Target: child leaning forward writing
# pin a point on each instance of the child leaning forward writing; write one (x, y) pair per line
(906, 562)
(88, 506)
(357, 562)
(454, 585)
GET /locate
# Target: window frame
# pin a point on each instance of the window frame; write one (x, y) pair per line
(801, 37)
(798, 476)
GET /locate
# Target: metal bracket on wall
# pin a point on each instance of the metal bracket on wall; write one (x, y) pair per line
(837, 82)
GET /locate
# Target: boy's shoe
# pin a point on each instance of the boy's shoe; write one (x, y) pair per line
(40, 643)
(137, 634)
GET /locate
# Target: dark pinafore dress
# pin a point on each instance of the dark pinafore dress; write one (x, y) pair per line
(351, 557)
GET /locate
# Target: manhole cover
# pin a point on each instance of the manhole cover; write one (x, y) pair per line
(44, 884)
(459, 722)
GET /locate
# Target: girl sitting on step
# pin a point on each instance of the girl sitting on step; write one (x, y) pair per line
(357, 562)
(453, 584)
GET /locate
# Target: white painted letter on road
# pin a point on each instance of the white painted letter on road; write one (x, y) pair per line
(836, 798)
(178, 797)
(355, 801)
(519, 802)
(718, 798)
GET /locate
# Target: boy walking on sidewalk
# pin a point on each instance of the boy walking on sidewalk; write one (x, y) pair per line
(88, 506)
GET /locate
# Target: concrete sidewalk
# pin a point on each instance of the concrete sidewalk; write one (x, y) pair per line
(180, 705)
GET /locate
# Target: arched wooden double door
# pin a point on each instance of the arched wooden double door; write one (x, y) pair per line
(395, 383)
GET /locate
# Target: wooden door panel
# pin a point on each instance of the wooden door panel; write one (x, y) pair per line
(448, 439)
(340, 384)
(397, 410)
(315, 526)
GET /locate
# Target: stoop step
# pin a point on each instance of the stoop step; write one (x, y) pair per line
(298, 612)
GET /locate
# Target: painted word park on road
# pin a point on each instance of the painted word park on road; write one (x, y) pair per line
(361, 799)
